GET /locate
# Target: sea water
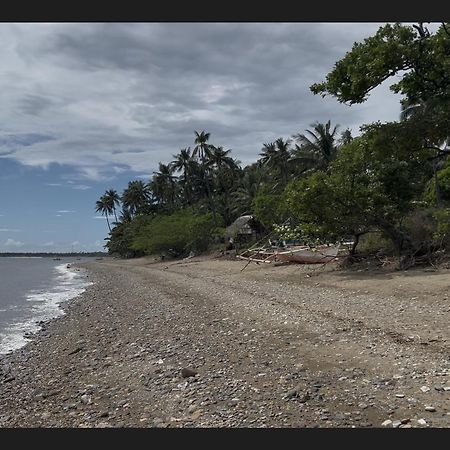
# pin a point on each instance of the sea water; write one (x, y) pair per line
(32, 289)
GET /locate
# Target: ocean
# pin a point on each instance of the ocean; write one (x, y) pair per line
(32, 290)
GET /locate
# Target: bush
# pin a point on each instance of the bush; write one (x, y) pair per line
(176, 234)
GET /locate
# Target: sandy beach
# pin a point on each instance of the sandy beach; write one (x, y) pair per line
(200, 343)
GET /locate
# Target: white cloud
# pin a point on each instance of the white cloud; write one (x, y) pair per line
(11, 230)
(12, 243)
(103, 217)
(63, 211)
(81, 187)
(49, 244)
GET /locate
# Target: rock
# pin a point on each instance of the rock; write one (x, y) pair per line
(339, 416)
(421, 421)
(424, 388)
(400, 395)
(396, 423)
(186, 372)
(386, 423)
(430, 408)
(85, 399)
(291, 394)
(196, 414)
(75, 350)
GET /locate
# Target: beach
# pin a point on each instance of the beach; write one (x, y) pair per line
(203, 343)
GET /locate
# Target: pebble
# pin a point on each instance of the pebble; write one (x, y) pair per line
(422, 422)
(424, 388)
(430, 408)
(386, 423)
(186, 372)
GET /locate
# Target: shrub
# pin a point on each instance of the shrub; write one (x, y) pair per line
(176, 234)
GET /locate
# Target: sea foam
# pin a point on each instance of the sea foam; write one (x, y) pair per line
(43, 305)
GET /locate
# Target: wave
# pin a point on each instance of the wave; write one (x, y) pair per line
(43, 305)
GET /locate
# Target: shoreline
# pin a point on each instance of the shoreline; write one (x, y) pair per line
(39, 305)
(271, 346)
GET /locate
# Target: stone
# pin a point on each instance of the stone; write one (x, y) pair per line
(430, 408)
(396, 423)
(186, 372)
(424, 388)
(421, 421)
(400, 395)
(386, 423)
(196, 414)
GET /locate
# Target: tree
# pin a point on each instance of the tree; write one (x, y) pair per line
(164, 186)
(203, 150)
(276, 156)
(183, 162)
(372, 185)
(136, 197)
(202, 147)
(318, 147)
(103, 206)
(113, 199)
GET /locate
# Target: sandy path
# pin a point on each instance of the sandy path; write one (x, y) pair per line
(273, 347)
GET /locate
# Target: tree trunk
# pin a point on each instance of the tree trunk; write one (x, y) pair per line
(107, 221)
(355, 244)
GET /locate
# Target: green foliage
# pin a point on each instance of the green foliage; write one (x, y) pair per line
(268, 208)
(122, 237)
(371, 185)
(442, 233)
(178, 234)
(374, 242)
(443, 177)
(422, 58)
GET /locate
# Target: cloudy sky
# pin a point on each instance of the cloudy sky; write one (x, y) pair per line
(89, 106)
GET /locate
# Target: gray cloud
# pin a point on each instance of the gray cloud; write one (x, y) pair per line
(106, 98)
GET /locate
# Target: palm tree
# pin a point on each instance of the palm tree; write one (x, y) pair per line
(320, 148)
(113, 200)
(103, 206)
(202, 147)
(276, 156)
(183, 162)
(217, 157)
(203, 150)
(249, 183)
(164, 185)
(136, 197)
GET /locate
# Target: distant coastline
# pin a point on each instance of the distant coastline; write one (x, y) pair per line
(57, 254)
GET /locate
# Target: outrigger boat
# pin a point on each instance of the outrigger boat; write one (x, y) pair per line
(303, 254)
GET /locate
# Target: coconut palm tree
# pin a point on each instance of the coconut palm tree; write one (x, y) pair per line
(136, 197)
(113, 200)
(317, 147)
(164, 185)
(218, 157)
(202, 147)
(103, 206)
(276, 156)
(183, 162)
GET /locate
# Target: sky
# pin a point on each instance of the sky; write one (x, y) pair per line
(87, 107)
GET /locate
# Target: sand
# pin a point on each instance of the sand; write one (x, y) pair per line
(269, 346)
